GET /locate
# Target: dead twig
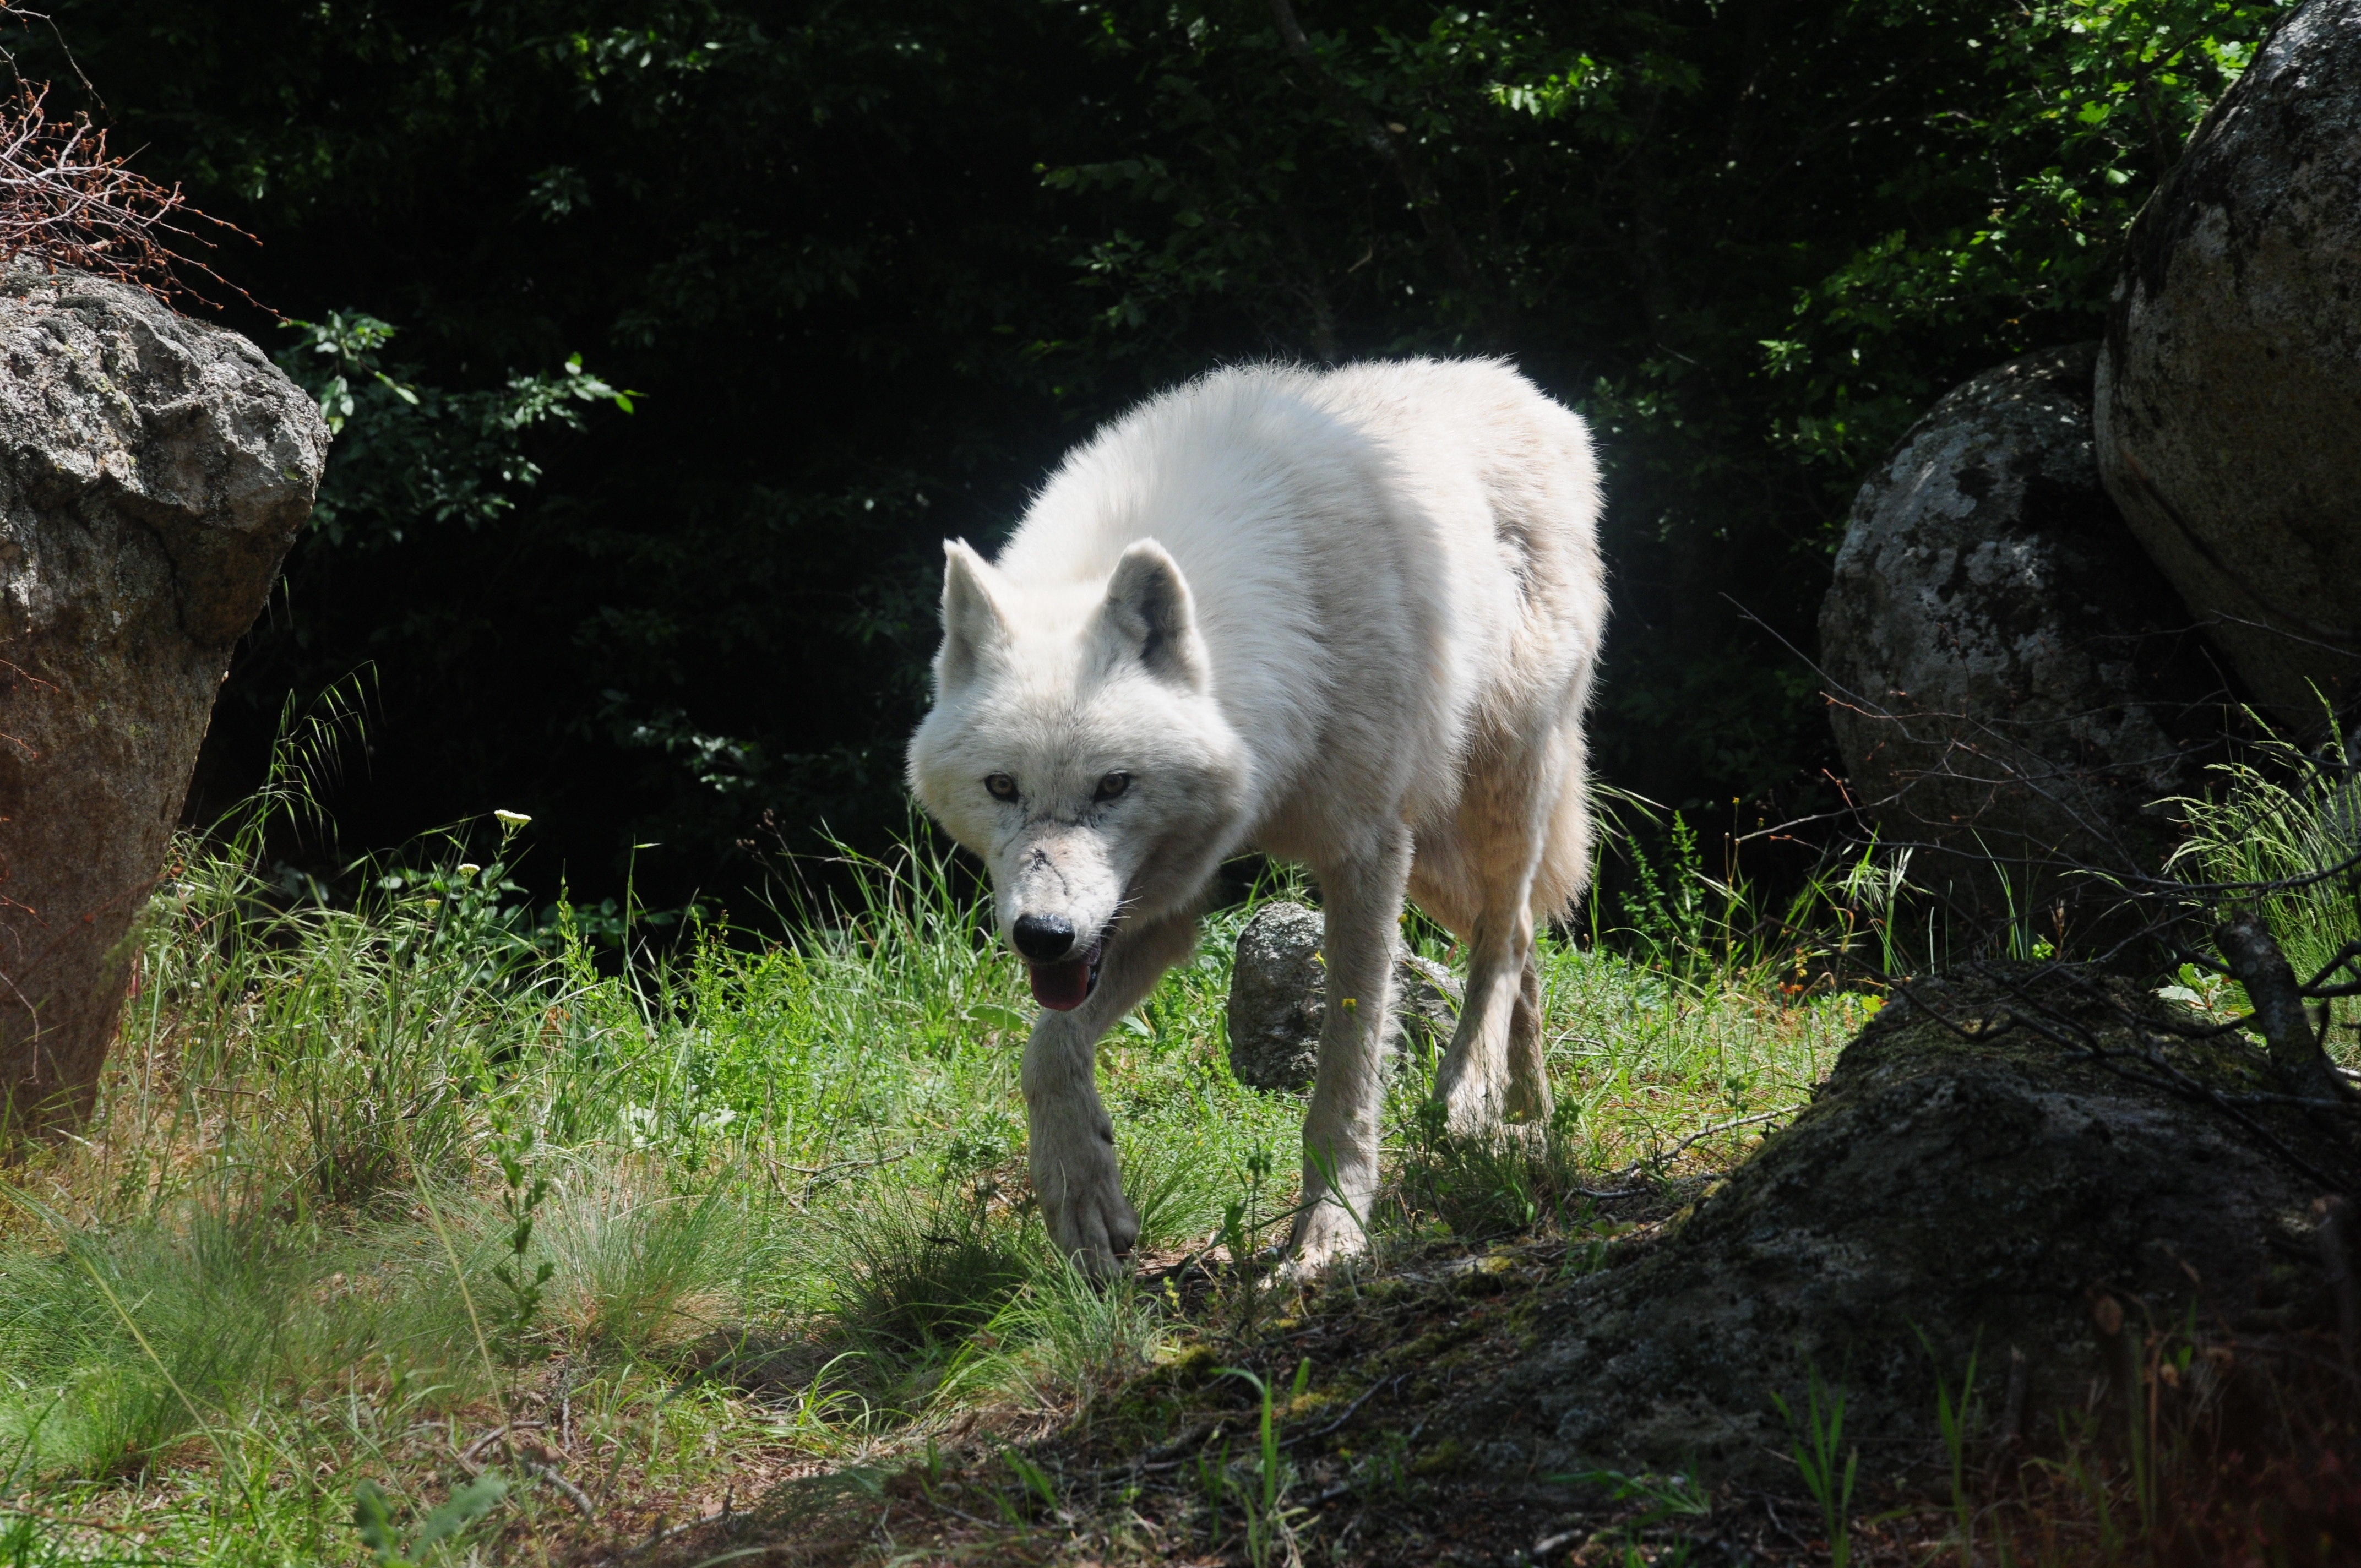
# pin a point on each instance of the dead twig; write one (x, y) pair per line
(1702, 1133)
(474, 1449)
(72, 1521)
(547, 1470)
(65, 202)
(1659, 1161)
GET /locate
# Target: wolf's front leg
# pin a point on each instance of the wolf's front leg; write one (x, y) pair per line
(1071, 1153)
(1363, 899)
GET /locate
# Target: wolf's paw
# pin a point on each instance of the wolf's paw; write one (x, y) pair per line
(1474, 1108)
(1324, 1236)
(1090, 1220)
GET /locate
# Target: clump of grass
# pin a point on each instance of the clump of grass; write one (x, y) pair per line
(152, 1328)
(1482, 1187)
(637, 1271)
(2282, 833)
(923, 1275)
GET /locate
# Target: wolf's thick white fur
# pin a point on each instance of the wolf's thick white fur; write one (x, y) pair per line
(1347, 618)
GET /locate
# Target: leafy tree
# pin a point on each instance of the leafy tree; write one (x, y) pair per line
(871, 267)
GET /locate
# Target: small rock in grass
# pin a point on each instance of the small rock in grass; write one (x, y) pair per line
(1278, 995)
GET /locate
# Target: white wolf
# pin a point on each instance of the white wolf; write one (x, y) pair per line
(1346, 618)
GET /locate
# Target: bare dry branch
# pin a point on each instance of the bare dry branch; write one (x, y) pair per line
(65, 202)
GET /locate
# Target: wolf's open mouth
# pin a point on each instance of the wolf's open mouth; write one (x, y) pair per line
(1068, 985)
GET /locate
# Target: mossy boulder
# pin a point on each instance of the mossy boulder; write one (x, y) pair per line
(2229, 386)
(153, 472)
(2012, 676)
(1972, 1179)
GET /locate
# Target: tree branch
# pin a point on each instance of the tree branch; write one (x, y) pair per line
(2286, 1025)
(1417, 181)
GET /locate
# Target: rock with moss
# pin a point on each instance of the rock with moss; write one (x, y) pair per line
(2012, 678)
(1973, 1182)
(2230, 388)
(153, 472)
(1279, 994)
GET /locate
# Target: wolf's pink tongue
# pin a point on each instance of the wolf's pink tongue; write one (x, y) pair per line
(1064, 986)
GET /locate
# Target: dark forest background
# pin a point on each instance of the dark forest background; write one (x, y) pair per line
(665, 339)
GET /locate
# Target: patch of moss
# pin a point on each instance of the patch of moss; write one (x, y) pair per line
(1445, 1458)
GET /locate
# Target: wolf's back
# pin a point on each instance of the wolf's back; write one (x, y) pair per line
(1390, 557)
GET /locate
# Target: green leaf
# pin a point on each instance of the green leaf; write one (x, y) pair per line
(462, 1508)
(373, 1516)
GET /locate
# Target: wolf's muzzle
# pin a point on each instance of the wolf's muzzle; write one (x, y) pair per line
(1043, 939)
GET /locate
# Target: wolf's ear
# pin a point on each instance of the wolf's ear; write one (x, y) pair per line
(1149, 616)
(973, 628)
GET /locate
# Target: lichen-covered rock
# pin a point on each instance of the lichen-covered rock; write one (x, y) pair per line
(1279, 994)
(2229, 386)
(2016, 678)
(153, 471)
(1962, 1184)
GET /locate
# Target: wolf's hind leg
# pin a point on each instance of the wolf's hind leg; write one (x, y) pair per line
(1070, 1137)
(1364, 900)
(1474, 1083)
(1528, 1102)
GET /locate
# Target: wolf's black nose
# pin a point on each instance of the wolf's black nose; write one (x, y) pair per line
(1044, 939)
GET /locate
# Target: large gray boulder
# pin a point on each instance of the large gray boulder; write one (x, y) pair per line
(153, 471)
(2014, 678)
(1278, 995)
(2229, 400)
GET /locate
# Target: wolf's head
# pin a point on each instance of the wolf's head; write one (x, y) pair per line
(1076, 746)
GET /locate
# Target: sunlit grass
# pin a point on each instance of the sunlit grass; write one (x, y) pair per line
(785, 1215)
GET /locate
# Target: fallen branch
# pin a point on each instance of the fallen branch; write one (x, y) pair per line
(476, 1449)
(1675, 1151)
(72, 1521)
(2279, 1014)
(1681, 1148)
(546, 1471)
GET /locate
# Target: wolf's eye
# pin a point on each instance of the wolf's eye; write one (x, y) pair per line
(1112, 785)
(1002, 786)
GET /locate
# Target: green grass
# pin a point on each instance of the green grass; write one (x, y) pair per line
(2261, 837)
(785, 1212)
(778, 1188)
